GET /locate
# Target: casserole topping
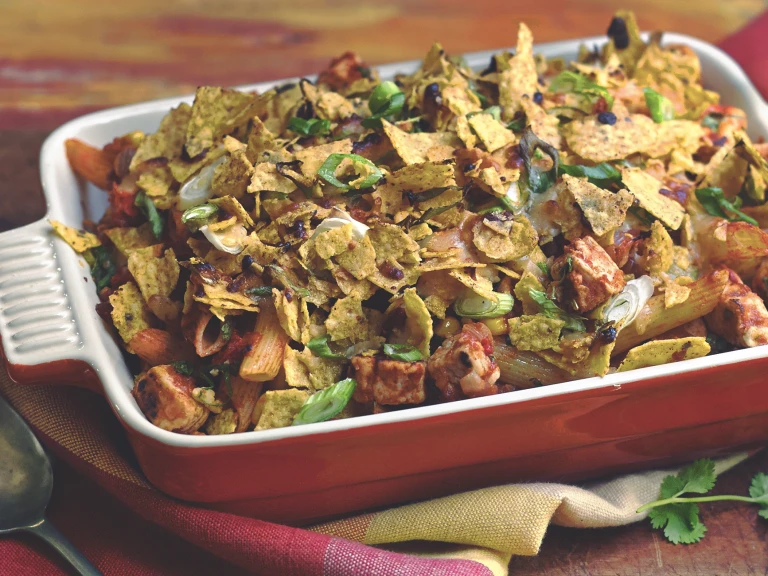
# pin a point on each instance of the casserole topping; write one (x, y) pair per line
(352, 246)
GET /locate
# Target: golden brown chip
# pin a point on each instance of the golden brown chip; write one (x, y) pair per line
(492, 133)
(603, 142)
(413, 148)
(391, 241)
(522, 290)
(674, 292)
(305, 370)
(424, 176)
(183, 169)
(502, 239)
(261, 142)
(545, 126)
(347, 321)
(604, 210)
(155, 272)
(535, 332)
(464, 132)
(518, 77)
(683, 135)
(157, 185)
(479, 285)
(128, 239)
(233, 207)
(312, 158)
(293, 315)
(645, 188)
(130, 313)
(266, 178)
(79, 240)
(278, 408)
(659, 250)
(418, 324)
(233, 176)
(224, 302)
(633, 51)
(215, 113)
(657, 352)
(168, 141)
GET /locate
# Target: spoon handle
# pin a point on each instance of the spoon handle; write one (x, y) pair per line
(50, 534)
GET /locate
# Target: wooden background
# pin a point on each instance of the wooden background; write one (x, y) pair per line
(63, 58)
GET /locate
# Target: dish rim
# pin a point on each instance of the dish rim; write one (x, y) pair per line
(101, 347)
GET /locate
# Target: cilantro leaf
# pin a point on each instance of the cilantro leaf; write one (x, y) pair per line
(147, 207)
(602, 175)
(311, 127)
(680, 522)
(699, 477)
(715, 203)
(102, 266)
(661, 107)
(759, 491)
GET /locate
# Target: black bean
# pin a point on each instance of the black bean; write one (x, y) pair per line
(607, 118)
(618, 32)
(538, 97)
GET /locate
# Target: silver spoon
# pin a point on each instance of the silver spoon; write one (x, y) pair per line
(26, 481)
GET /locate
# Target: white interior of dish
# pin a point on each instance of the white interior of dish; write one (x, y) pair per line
(71, 202)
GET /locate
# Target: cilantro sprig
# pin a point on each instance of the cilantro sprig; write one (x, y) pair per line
(715, 203)
(679, 516)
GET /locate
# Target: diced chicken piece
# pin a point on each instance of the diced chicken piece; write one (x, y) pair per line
(760, 280)
(740, 316)
(463, 366)
(278, 408)
(386, 381)
(165, 398)
(593, 276)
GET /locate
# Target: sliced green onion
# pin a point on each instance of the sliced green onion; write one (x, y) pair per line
(601, 175)
(403, 352)
(327, 403)
(623, 308)
(714, 202)
(386, 100)
(491, 209)
(150, 212)
(328, 171)
(483, 99)
(432, 212)
(569, 81)
(199, 215)
(319, 347)
(471, 305)
(311, 127)
(661, 107)
(544, 268)
(261, 291)
(552, 310)
(516, 125)
(226, 331)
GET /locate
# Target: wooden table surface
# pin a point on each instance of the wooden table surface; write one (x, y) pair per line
(61, 59)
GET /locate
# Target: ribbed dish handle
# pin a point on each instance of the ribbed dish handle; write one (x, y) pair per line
(37, 325)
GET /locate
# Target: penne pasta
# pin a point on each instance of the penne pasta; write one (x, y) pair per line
(265, 358)
(655, 319)
(245, 394)
(208, 338)
(523, 369)
(156, 347)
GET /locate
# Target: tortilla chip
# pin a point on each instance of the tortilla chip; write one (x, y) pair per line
(535, 332)
(659, 250)
(334, 107)
(464, 132)
(278, 408)
(351, 286)
(545, 126)
(79, 240)
(418, 324)
(502, 238)
(391, 241)
(675, 293)
(128, 239)
(522, 290)
(157, 185)
(266, 178)
(479, 285)
(658, 352)
(305, 370)
(261, 142)
(154, 274)
(492, 133)
(233, 176)
(413, 148)
(645, 188)
(168, 141)
(223, 302)
(312, 158)
(223, 423)
(518, 78)
(393, 286)
(418, 178)
(602, 142)
(233, 207)
(436, 306)
(130, 314)
(629, 55)
(182, 169)
(604, 210)
(215, 113)
(360, 261)
(683, 135)
(347, 320)
(293, 315)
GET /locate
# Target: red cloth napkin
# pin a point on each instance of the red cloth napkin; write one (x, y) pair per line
(126, 530)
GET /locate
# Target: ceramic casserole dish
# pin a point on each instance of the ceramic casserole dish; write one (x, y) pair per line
(585, 428)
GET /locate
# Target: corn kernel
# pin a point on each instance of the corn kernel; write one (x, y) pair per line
(448, 327)
(497, 326)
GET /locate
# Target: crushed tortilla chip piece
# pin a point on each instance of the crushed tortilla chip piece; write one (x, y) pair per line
(535, 332)
(522, 290)
(603, 210)
(502, 238)
(168, 141)
(278, 408)
(418, 324)
(464, 132)
(215, 113)
(157, 184)
(293, 315)
(130, 314)
(79, 240)
(347, 320)
(224, 302)
(479, 285)
(312, 158)
(674, 292)
(155, 272)
(423, 176)
(603, 142)
(233, 176)
(233, 207)
(413, 148)
(657, 352)
(128, 239)
(518, 77)
(305, 370)
(492, 133)
(645, 188)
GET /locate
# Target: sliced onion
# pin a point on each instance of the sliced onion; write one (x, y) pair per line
(471, 305)
(626, 305)
(338, 219)
(231, 240)
(197, 190)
